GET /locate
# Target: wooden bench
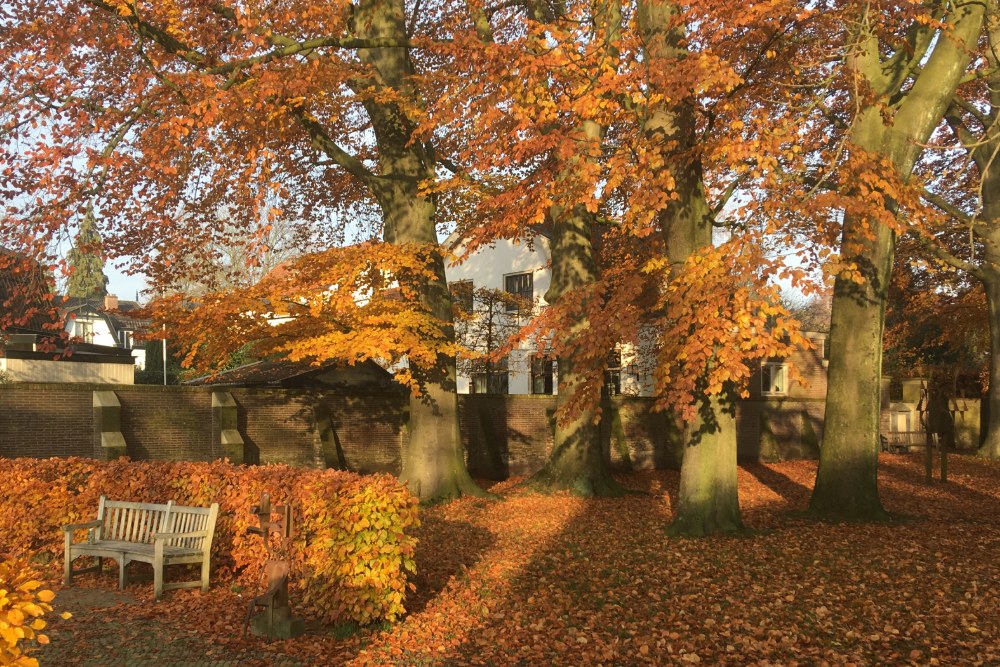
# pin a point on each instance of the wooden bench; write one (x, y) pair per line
(900, 442)
(157, 534)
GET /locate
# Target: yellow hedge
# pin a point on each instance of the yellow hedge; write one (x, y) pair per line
(352, 549)
(23, 602)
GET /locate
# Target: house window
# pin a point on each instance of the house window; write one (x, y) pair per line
(613, 374)
(542, 375)
(85, 330)
(461, 294)
(126, 338)
(522, 286)
(773, 379)
(494, 380)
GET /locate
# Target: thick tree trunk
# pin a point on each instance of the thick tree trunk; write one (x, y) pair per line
(577, 461)
(433, 461)
(847, 478)
(990, 447)
(708, 499)
(846, 482)
(989, 270)
(984, 151)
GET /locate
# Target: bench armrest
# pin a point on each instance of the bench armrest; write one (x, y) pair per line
(170, 536)
(96, 523)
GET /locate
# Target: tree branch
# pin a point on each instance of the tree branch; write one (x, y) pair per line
(322, 141)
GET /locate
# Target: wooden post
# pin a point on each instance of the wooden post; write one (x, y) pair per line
(943, 444)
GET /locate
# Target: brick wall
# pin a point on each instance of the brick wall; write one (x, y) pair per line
(778, 429)
(503, 435)
(284, 426)
(166, 423)
(41, 420)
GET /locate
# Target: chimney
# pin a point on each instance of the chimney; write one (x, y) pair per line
(110, 302)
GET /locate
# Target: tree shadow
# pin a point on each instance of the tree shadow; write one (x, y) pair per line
(445, 550)
(793, 492)
(908, 472)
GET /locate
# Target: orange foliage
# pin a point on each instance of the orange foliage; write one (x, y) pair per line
(348, 304)
(352, 546)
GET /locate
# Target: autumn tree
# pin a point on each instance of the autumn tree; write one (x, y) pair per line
(162, 114)
(86, 265)
(974, 208)
(550, 175)
(900, 72)
(595, 126)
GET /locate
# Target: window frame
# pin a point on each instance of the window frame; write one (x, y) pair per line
(543, 373)
(527, 295)
(84, 329)
(613, 373)
(767, 372)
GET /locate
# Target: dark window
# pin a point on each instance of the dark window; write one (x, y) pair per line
(542, 375)
(461, 294)
(126, 337)
(772, 379)
(520, 285)
(613, 375)
(85, 330)
(494, 380)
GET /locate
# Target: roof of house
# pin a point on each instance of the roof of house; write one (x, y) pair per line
(284, 373)
(118, 319)
(42, 347)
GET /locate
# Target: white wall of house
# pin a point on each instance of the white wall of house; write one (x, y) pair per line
(91, 329)
(489, 267)
(94, 329)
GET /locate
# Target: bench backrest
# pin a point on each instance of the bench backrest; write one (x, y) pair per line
(137, 522)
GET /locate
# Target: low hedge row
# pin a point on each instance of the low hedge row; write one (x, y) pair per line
(351, 547)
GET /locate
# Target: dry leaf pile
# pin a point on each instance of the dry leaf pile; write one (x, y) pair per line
(557, 580)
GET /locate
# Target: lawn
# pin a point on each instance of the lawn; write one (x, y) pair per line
(556, 580)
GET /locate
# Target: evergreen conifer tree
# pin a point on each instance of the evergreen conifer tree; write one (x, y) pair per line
(86, 278)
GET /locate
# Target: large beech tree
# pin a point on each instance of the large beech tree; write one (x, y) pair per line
(164, 114)
(901, 74)
(972, 117)
(602, 143)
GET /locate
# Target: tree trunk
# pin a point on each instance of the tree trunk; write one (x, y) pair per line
(577, 461)
(433, 461)
(846, 482)
(847, 478)
(990, 447)
(708, 499)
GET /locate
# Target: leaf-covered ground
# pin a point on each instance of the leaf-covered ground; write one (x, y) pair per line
(556, 580)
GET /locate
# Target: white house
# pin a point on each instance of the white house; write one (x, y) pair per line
(525, 269)
(105, 322)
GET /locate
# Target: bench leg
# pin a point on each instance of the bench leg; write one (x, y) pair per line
(122, 572)
(205, 572)
(157, 581)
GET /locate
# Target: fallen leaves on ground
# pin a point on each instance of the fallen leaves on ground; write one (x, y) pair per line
(557, 580)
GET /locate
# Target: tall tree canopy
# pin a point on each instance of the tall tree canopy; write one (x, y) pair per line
(162, 114)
